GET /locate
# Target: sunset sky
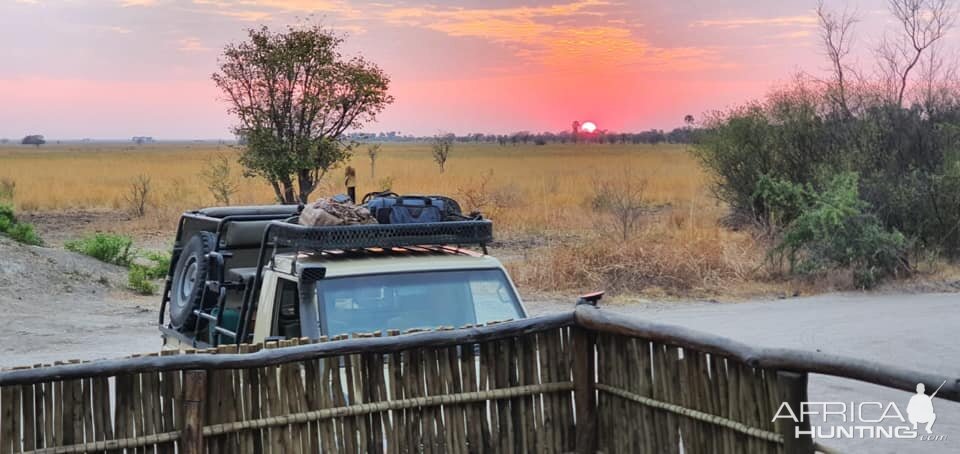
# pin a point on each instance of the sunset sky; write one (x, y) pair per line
(72, 69)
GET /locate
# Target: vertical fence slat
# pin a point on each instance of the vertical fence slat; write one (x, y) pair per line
(194, 394)
(29, 423)
(472, 412)
(6, 419)
(585, 390)
(793, 392)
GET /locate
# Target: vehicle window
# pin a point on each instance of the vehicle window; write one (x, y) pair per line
(415, 300)
(288, 310)
(493, 300)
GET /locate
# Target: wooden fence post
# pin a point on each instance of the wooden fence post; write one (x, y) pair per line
(794, 393)
(194, 394)
(585, 389)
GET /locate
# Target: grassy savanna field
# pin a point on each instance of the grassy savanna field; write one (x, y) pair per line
(540, 198)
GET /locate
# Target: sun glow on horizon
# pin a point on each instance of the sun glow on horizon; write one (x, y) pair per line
(588, 127)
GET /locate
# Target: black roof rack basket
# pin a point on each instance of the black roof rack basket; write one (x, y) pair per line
(461, 233)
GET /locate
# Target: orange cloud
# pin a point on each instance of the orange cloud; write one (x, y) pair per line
(534, 33)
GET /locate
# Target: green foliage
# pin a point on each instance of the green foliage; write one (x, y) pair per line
(25, 234)
(106, 247)
(906, 159)
(7, 218)
(294, 95)
(159, 266)
(117, 249)
(782, 201)
(139, 280)
(16, 230)
(832, 230)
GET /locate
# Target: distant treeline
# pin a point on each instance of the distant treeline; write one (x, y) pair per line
(652, 136)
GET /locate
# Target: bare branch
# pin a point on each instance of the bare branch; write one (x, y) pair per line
(836, 32)
(923, 23)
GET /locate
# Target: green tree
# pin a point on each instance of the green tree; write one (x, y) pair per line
(295, 94)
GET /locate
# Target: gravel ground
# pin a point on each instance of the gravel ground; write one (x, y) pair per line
(56, 305)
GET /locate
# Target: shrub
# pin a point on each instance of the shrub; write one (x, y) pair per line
(159, 266)
(25, 234)
(138, 195)
(781, 201)
(7, 218)
(833, 231)
(16, 230)
(656, 260)
(621, 203)
(106, 247)
(218, 175)
(139, 280)
(766, 155)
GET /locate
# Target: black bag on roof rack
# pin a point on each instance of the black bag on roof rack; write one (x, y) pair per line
(391, 208)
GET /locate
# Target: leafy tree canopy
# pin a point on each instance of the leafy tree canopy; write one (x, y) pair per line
(295, 95)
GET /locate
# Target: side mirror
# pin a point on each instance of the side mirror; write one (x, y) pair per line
(590, 299)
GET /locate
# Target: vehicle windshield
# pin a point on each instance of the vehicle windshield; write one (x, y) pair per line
(403, 301)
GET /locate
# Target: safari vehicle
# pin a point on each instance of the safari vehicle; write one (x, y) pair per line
(251, 274)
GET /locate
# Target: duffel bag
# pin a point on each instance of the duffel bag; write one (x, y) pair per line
(390, 208)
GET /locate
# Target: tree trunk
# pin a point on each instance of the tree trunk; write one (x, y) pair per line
(288, 194)
(307, 185)
(276, 191)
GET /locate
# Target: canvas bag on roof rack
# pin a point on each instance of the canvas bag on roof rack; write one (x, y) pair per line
(390, 208)
(334, 211)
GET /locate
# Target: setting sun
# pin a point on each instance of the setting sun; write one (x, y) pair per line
(588, 126)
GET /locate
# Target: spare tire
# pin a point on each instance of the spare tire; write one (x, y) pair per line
(189, 279)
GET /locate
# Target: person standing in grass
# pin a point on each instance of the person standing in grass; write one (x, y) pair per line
(350, 180)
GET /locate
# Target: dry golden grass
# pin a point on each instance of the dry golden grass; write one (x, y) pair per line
(531, 192)
(539, 188)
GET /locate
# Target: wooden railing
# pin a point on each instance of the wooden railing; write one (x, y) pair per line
(581, 381)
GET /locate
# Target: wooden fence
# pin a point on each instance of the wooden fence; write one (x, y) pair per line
(581, 381)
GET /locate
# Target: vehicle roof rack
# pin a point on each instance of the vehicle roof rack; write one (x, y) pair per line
(461, 233)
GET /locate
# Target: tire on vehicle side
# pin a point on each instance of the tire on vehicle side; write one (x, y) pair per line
(189, 280)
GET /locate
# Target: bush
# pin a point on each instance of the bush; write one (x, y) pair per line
(833, 231)
(138, 195)
(18, 231)
(139, 280)
(218, 175)
(25, 234)
(106, 247)
(620, 203)
(161, 264)
(7, 218)
(781, 201)
(656, 261)
(766, 155)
